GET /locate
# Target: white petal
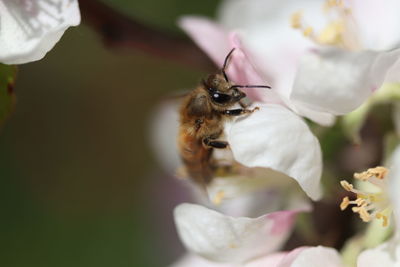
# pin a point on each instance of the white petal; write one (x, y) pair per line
(254, 13)
(272, 45)
(320, 117)
(387, 255)
(393, 74)
(338, 81)
(222, 238)
(312, 257)
(30, 28)
(271, 260)
(273, 137)
(394, 185)
(377, 34)
(191, 260)
(256, 192)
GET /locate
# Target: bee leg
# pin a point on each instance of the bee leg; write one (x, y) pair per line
(209, 142)
(243, 105)
(198, 124)
(239, 111)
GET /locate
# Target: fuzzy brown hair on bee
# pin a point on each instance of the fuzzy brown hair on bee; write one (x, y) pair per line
(202, 115)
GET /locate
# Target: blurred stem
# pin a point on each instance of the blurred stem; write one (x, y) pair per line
(120, 31)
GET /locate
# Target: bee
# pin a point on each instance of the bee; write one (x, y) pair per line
(202, 115)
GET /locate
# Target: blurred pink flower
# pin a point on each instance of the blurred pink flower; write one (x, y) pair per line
(30, 28)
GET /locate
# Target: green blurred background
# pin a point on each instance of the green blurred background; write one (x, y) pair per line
(79, 183)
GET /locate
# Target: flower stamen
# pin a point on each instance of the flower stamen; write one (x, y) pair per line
(219, 197)
(369, 205)
(336, 32)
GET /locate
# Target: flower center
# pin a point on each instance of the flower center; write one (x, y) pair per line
(337, 32)
(370, 205)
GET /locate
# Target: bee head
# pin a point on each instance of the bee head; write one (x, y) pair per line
(221, 91)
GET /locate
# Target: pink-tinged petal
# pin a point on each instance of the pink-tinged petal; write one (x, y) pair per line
(244, 72)
(338, 81)
(274, 137)
(239, 70)
(376, 34)
(272, 45)
(30, 28)
(387, 255)
(312, 257)
(208, 35)
(223, 238)
(276, 95)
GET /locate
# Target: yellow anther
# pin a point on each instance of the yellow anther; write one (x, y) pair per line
(346, 185)
(334, 3)
(332, 34)
(361, 202)
(338, 31)
(385, 220)
(219, 197)
(378, 172)
(369, 205)
(364, 215)
(345, 203)
(308, 31)
(296, 20)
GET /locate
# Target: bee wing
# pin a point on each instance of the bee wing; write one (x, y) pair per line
(177, 95)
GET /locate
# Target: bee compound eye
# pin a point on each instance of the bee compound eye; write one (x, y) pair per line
(221, 98)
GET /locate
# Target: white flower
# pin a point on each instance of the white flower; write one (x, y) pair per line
(223, 238)
(250, 212)
(30, 28)
(388, 254)
(324, 59)
(270, 138)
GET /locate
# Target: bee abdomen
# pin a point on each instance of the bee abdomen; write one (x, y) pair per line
(196, 159)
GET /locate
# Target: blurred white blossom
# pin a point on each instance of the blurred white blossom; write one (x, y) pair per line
(30, 28)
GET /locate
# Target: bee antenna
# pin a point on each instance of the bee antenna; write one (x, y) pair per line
(226, 61)
(250, 86)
